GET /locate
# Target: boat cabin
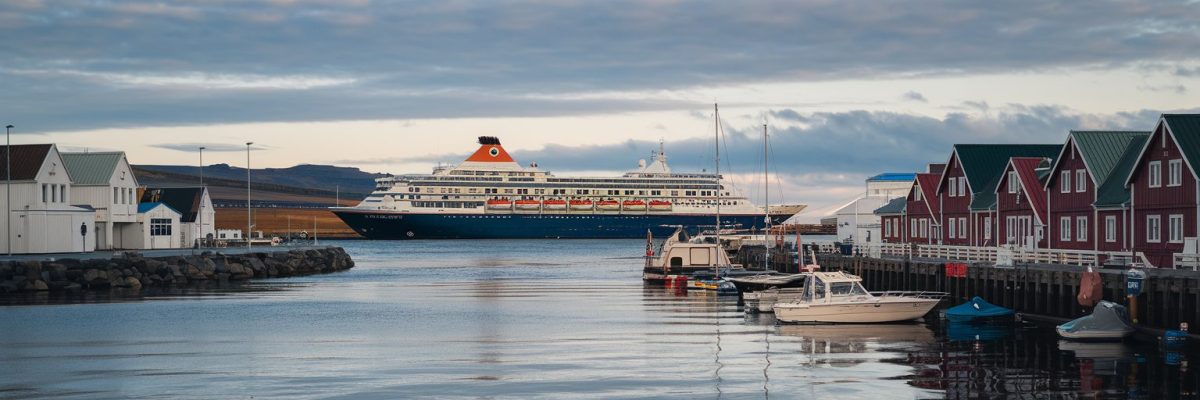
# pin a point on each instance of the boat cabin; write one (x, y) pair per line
(833, 287)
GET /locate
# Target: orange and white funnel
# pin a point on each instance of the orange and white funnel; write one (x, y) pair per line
(490, 155)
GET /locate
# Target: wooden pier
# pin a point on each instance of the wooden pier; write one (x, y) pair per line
(1168, 296)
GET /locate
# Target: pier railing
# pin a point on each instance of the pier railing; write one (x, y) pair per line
(1008, 255)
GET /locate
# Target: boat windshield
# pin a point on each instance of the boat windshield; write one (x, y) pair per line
(846, 289)
(814, 290)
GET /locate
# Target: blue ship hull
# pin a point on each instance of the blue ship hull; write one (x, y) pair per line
(376, 225)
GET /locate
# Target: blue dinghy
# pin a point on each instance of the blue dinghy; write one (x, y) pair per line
(975, 309)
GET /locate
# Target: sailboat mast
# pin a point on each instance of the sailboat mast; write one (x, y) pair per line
(766, 201)
(717, 159)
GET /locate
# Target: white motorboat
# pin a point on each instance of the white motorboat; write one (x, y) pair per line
(763, 301)
(838, 297)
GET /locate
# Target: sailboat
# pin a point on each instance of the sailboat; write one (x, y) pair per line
(685, 258)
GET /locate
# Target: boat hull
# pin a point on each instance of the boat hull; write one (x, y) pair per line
(855, 313)
(383, 225)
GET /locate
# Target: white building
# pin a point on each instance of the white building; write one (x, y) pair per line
(40, 215)
(856, 220)
(229, 234)
(158, 226)
(198, 216)
(105, 181)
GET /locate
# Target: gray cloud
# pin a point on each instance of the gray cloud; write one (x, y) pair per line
(77, 64)
(914, 96)
(858, 143)
(211, 147)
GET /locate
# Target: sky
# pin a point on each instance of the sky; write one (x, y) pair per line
(847, 89)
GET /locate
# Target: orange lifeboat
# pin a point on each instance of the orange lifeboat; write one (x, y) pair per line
(581, 205)
(660, 205)
(499, 204)
(608, 205)
(633, 205)
(528, 204)
(555, 204)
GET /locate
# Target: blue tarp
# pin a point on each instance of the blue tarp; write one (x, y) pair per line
(977, 308)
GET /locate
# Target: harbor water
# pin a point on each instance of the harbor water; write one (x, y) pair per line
(527, 319)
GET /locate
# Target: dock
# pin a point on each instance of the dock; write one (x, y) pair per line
(1168, 296)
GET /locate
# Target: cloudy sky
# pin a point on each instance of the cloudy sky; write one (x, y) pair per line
(847, 88)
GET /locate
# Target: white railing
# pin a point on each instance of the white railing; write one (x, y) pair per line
(1187, 261)
(1008, 255)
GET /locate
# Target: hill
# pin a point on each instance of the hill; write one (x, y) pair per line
(352, 181)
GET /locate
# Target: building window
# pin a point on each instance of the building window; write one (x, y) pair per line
(887, 227)
(1080, 180)
(987, 228)
(912, 229)
(1012, 181)
(1081, 229)
(953, 187)
(1065, 184)
(952, 227)
(962, 228)
(160, 227)
(45, 193)
(924, 227)
(1153, 228)
(916, 193)
(1110, 228)
(1175, 223)
(1064, 228)
(1174, 172)
(1155, 174)
(62, 193)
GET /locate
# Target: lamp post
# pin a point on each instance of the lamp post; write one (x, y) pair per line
(200, 217)
(8, 186)
(248, 224)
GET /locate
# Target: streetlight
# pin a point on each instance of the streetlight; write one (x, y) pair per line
(200, 240)
(248, 225)
(8, 185)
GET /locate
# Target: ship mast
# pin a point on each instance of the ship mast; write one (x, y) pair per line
(717, 159)
(766, 201)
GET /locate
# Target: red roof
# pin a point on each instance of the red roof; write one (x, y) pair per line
(27, 160)
(928, 184)
(1026, 168)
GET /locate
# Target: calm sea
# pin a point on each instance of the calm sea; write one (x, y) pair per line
(526, 319)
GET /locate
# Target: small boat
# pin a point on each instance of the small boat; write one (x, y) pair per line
(1108, 321)
(581, 205)
(608, 205)
(555, 204)
(660, 205)
(763, 301)
(761, 292)
(528, 205)
(977, 308)
(838, 297)
(678, 258)
(633, 205)
(499, 204)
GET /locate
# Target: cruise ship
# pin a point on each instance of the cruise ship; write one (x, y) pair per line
(489, 195)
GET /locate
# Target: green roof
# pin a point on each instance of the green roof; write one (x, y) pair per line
(91, 168)
(984, 163)
(1112, 191)
(1186, 129)
(1103, 150)
(895, 206)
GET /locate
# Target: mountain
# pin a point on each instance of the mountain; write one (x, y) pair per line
(304, 180)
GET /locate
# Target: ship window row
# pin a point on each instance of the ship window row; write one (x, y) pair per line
(564, 192)
(654, 185)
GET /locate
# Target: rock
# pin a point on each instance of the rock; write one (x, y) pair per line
(73, 286)
(132, 282)
(8, 286)
(40, 285)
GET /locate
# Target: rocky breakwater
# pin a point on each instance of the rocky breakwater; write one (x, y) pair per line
(133, 270)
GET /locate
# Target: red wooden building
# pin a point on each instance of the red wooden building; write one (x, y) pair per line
(1021, 203)
(1086, 194)
(1162, 182)
(921, 210)
(966, 189)
(891, 220)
